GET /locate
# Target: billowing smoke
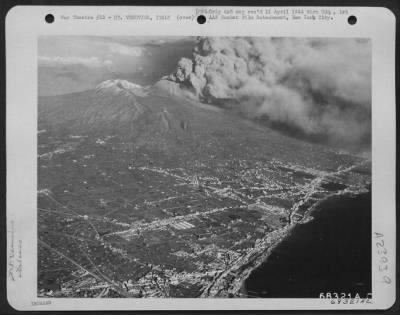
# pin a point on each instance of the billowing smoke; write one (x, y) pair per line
(318, 87)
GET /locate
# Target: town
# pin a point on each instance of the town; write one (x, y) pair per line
(144, 227)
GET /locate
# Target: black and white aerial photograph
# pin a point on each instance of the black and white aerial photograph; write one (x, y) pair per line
(203, 167)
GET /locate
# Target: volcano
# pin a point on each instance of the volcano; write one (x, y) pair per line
(160, 118)
(154, 193)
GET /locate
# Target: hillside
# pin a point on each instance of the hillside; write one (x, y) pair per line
(146, 186)
(162, 121)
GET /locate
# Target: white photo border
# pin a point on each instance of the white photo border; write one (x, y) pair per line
(24, 24)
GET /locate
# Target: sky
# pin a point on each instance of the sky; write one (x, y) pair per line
(313, 87)
(317, 87)
(69, 64)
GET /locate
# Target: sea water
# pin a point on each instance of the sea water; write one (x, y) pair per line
(331, 253)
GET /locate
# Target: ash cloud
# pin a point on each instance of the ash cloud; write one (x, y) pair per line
(316, 87)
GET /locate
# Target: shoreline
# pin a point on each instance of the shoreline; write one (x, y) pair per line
(254, 260)
(257, 262)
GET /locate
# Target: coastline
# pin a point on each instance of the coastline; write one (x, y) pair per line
(262, 257)
(253, 260)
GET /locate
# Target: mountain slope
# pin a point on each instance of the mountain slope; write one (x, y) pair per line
(134, 182)
(167, 123)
